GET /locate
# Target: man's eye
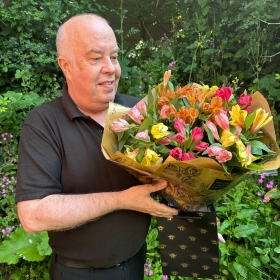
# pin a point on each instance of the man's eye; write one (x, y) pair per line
(95, 58)
(114, 57)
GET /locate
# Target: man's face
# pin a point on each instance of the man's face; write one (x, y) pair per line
(95, 73)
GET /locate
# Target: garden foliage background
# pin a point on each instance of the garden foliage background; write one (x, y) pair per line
(208, 41)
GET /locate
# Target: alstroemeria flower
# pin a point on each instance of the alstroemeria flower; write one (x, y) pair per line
(213, 129)
(151, 158)
(179, 125)
(166, 77)
(135, 115)
(219, 153)
(260, 120)
(245, 101)
(228, 138)
(187, 156)
(202, 146)
(159, 130)
(120, 125)
(197, 134)
(246, 157)
(163, 110)
(165, 141)
(142, 108)
(188, 115)
(176, 153)
(225, 93)
(132, 154)
(179, 138)
(222, 121)
(238, 116)
(143, 135)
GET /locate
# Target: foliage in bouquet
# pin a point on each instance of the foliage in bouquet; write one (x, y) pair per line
(194, 121)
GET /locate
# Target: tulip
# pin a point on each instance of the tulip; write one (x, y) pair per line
(159, 131)
(120, 125)
(163, 110)
(187, 156)
(245, 101)
(165, 141)
(179, 125)
(179, 138)
(202, 146)
(225, 93)
(197, 135)
(176, 153)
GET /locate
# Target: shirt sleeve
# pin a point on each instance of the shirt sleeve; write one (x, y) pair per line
(39, 165)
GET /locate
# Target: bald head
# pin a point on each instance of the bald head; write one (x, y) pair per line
(74, 30)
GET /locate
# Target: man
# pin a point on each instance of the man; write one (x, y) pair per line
(97, 215)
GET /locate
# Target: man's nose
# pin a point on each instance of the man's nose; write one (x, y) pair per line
(108, 65)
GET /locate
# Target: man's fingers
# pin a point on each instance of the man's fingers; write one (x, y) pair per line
(221, 239)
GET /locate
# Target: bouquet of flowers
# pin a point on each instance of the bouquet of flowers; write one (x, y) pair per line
(203, 140)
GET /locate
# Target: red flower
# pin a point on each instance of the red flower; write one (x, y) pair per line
(225, 93)
(245, 102)
(187, 156)
(176, 153)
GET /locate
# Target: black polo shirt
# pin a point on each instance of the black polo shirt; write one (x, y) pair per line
(60, 153)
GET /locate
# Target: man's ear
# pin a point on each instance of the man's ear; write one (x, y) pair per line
(65, 66)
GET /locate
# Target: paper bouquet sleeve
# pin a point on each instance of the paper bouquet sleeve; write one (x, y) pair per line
(191, 184)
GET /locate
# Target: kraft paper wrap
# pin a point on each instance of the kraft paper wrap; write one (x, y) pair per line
(191, 184)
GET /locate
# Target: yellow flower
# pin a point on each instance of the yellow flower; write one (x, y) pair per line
(159, 131)
(260, 120)
(228, 139)
(246, 157)
(213, 88)
(166, 77)
(238, 116)
(151, 158)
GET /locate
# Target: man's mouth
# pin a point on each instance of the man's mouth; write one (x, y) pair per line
(106, 83)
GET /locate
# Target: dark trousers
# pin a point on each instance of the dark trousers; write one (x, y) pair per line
(133, 269)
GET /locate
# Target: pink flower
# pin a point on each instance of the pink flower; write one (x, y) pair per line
(176, 153)
(162, 114)
(187, 156)
(143, 135)
(213, 129)
(120, 125)
(222, 121)
(179, 138)
(225, 93)
(142, 108)
(245, 102)
(197, 135)
(221, 154)
(202, 146)
(165, 141)
(179, 125)
(135, 115)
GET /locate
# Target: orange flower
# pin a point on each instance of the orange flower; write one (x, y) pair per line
(188, 115)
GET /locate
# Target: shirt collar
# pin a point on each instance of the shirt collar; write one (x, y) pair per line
(71, 108)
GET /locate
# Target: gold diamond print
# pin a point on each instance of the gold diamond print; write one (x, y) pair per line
(183, 246)
(161, 228)
(192, 238)
(184, 265)
(203, 230)
(194, 257)
(205, 267)
(181, 228)
(171, 237)
(204, 249)
(172, 256)
(162, 246)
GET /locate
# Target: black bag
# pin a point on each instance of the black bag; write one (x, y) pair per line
(189, 245)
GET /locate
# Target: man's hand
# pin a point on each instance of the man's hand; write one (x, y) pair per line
(139, 198)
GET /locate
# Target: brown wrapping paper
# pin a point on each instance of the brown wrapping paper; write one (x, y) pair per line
(191, 184)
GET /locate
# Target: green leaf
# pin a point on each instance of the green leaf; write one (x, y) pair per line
(260, 145)
(21, 244)
(259, 250)
(244, 230)
(146, 124)
(123, 139)
(246, 213)
(277, 249)
(277, 223)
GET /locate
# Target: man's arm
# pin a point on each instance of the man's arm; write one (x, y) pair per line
(58, 212)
